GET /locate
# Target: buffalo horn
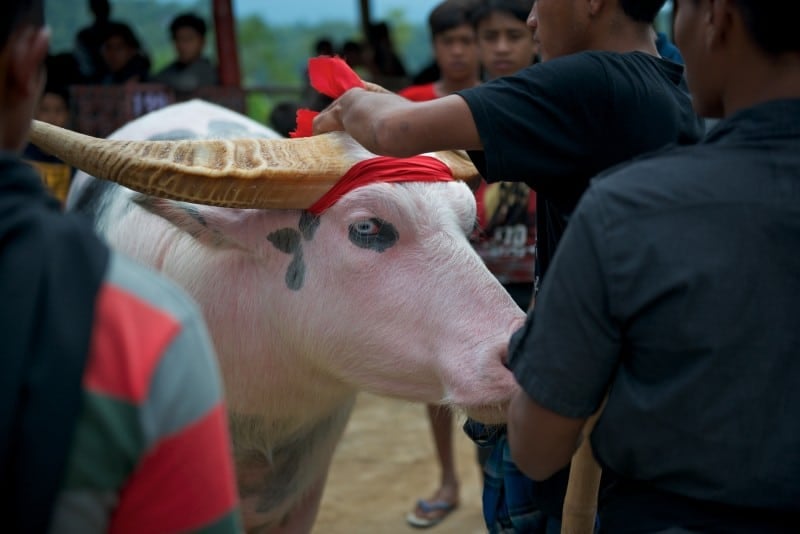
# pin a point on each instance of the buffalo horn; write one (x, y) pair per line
(235, 173)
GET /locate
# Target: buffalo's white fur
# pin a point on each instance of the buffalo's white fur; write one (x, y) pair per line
(422, 320)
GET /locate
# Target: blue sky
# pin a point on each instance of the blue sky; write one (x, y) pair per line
(314, 11)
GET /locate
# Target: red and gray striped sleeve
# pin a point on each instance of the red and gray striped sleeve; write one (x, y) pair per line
(151, 451)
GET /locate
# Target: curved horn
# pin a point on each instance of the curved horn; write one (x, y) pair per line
(240, 173)
(461, 166)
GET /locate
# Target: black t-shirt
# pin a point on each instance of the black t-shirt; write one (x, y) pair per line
(556, 124)
(676, 284)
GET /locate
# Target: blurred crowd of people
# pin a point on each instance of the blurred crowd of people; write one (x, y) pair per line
(108, 52)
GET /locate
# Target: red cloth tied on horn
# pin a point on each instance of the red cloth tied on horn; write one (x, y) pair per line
(383, 169)
(332, 76)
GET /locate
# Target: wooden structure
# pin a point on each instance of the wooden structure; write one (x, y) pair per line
(100, 109)
(227, 51)
(225, 30)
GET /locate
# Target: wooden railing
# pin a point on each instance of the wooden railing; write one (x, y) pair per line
(98, 110)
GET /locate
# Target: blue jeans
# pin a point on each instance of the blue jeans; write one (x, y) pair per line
(510, 503)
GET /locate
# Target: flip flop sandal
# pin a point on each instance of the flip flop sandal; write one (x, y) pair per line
(428, 507)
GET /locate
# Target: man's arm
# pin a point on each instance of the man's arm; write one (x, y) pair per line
(390, 125)
(566, 355)
(541, 441)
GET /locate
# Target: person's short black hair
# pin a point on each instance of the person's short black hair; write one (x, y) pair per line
(63, 69)
(18, 13)
(642, 10)
(519, 9)
(772, 24)
(378, 31)
(122, 30)
(188, 20)
(283, 117)
(323, 46)
(450, 14)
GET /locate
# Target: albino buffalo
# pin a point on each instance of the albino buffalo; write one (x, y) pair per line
(380, 292)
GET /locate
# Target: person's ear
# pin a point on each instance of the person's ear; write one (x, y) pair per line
(719, 20)
(595, 7)
(26, 54)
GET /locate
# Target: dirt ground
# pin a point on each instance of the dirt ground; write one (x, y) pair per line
(385, 462)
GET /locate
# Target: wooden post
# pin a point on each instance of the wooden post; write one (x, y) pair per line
(227, 51)
(366, 17)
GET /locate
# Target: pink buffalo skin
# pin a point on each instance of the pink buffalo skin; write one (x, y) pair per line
(304, 316)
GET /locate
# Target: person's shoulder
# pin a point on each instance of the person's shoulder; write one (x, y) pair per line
(205, 62)
(143, 317)
(586, 59)
(86, 33)
(655, 180)
(609, 60)
(166, 74)
(166, 69)
(640, 63)
(203, 66)
(140, 61)
(582, 71)
(150, 288)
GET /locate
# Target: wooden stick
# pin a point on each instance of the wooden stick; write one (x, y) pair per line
(580, 503)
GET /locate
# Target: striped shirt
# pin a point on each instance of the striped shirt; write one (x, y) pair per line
(151, 450)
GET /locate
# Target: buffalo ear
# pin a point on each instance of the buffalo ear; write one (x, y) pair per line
(188, 219)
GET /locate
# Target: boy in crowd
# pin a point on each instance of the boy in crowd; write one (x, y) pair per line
(125, 59)
(506, 236)
(191, 69)
(454, 50)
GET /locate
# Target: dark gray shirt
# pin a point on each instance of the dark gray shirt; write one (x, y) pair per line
(186, 78)
(677, 285)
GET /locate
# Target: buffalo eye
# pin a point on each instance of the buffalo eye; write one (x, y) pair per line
(373, 234)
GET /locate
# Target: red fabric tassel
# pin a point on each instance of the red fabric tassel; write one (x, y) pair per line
(332, 77)
(304, 119)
